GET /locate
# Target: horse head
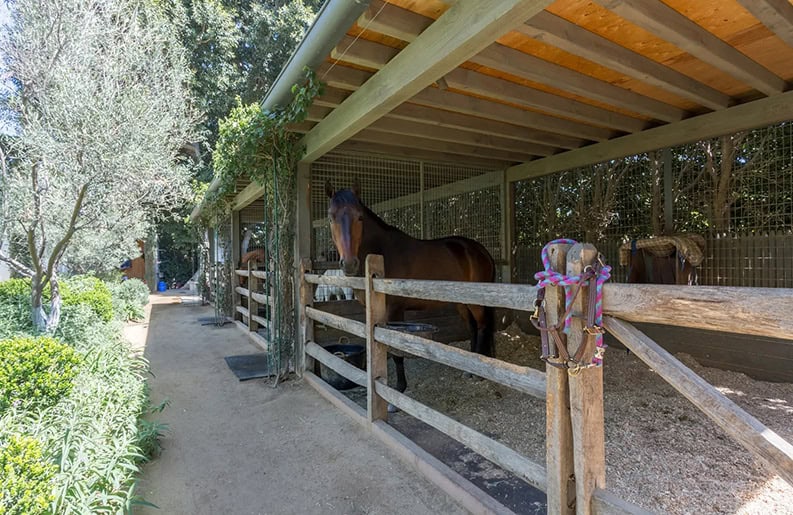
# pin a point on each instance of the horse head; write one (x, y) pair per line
(345, 213)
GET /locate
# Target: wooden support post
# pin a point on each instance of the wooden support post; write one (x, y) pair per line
(253, 306)
(305, 325)
(558, 432)
(376, 353)
(235, 260)
(586, 394)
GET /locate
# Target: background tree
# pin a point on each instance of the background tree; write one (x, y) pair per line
(101, 110)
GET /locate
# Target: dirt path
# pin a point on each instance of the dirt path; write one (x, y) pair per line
(247, 448)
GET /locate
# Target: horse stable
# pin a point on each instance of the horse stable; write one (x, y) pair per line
(657, 132)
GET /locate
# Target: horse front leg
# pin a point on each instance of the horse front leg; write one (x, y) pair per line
(402, 381)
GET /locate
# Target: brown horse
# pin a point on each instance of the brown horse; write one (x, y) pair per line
(358, 232)
(254, 256)
(646, 267)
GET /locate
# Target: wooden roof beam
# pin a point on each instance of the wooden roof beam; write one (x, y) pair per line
(372, 136)
(668, 24)
(558, 32)
(504, 90)
(777, 15)
(411, 128)
(457, 102)
(461, 32)
(406, 25)
(759, 113)
(417, 153)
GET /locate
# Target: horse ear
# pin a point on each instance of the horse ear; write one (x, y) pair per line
(356, 188)
(328, 188)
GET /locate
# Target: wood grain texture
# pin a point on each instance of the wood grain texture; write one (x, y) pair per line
(512, 296)
(558, 426)
(376, 352)
(498, 453)
(523, 379)
(586, 394)
(337, 322)
(356, 283)
(771, 448)
(338, 365)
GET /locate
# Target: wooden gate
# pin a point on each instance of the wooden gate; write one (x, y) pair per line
(573, 476)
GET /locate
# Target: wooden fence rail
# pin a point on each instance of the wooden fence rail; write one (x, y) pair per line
(575, 427)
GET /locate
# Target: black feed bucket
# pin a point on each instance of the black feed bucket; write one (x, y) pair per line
(352, 354)
(414, 328)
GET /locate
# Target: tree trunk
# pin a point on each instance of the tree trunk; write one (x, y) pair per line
(55, 304)
(38, 315)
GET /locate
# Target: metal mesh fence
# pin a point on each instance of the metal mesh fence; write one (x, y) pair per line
(425, 200)
(736, 190)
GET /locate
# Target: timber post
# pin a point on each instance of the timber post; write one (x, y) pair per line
(586, 393)
(305, 326)
(235, 260)
(558, 432)
(253, 306)
(376, 353)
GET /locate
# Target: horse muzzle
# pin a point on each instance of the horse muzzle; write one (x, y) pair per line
(350, 267)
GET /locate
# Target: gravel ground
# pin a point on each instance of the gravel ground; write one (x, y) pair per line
(662, 453)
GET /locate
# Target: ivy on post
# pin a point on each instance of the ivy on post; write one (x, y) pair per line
(376, 352)
(306, 329)
(586, 392)
(559, 434)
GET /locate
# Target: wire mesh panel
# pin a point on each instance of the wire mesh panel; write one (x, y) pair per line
(736, 190)
(420, 198)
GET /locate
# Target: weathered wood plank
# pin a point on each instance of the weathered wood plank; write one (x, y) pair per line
(376, 352)
(261, 321)
(586, 393)
(337, 322)
(760, 311)
(305, 325)
(777, 15)
(775, 451)
(242, 291)
(261, 298)
(558, 426)
(241, 273)
(251, 192)
(338, 365)
(605, 502)
(511, 296)
(523, 379)
(261, 274)
(356, 283)
(498, 453)
(241, 310)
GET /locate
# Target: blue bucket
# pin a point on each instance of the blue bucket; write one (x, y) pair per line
(161, 286)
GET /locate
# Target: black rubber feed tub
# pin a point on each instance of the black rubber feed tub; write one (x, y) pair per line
(352, 354)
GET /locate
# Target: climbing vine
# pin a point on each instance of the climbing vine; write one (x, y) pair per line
(257, 143)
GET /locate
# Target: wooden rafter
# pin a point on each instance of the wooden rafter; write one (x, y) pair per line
(556, 31)
(670, 25)
(461, 32)
(417, 153)
(777, 15)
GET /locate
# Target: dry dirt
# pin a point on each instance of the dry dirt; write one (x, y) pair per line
(246, 447)
(662, 453)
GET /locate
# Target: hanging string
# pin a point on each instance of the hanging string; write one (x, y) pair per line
(336, 60)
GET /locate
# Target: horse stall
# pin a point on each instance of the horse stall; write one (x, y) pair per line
(516, 123)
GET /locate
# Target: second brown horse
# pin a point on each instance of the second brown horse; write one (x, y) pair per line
(358, 232)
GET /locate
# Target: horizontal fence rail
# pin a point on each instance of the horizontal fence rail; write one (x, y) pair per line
(523, 379)
(337, 322)
(338, 365)
(260, 274)
(756, 311)
(356, 283)
(241, 273)
(262, 321)
(498, 453)
(261, 298)
(242, 291)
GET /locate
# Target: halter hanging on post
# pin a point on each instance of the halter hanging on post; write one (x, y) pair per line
(595, 275)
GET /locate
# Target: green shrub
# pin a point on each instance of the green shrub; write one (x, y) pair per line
(129, 298)
(25, 477)
(15, 307)
(35, 372)
(85, 289)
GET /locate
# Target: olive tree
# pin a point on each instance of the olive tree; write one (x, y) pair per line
(99, 108)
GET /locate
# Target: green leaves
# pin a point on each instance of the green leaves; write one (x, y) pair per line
(25, 477)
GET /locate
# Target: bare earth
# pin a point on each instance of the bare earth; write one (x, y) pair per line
(662, 453)
(247, 448)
